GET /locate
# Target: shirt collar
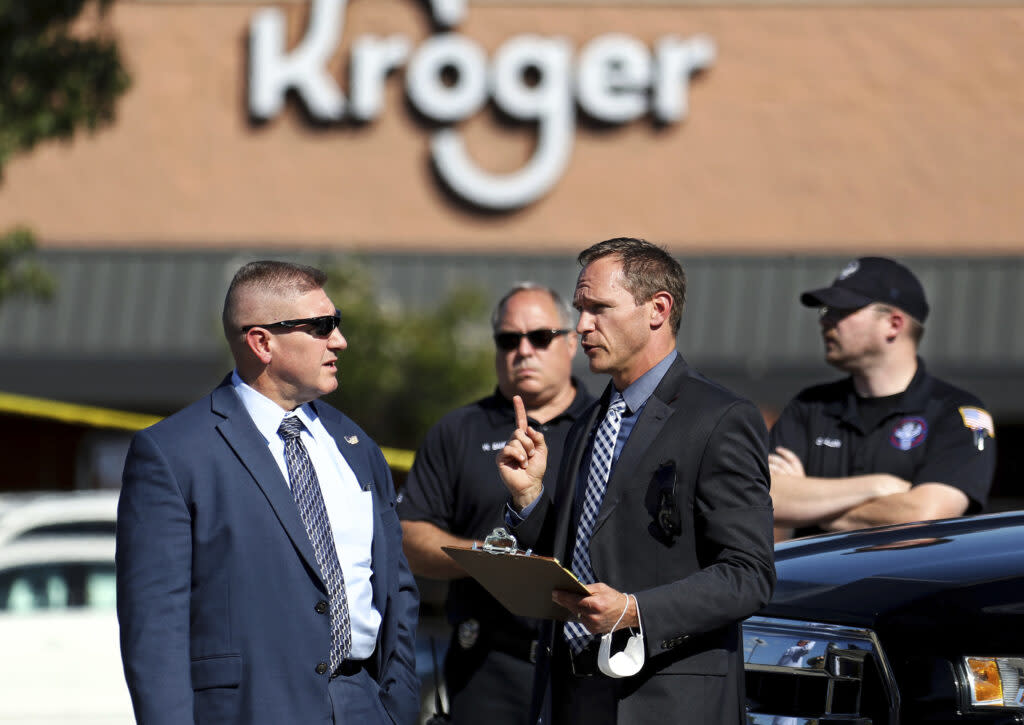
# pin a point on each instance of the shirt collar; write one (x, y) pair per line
(915, 397)
(265, 413)
(642, 388)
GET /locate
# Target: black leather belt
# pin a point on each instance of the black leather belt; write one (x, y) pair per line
(347, 668)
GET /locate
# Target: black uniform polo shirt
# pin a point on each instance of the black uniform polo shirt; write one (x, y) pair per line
(937, 433)
(454, 484)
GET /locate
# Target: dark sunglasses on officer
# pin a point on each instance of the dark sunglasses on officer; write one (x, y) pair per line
(539, 339)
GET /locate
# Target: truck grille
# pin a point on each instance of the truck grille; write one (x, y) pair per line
(806, 673)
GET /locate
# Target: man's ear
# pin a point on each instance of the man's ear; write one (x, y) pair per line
(258, 341)
(897, 324)
(661, 308)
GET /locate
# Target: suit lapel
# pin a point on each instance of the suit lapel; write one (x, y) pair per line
(566, 494)
(656, 412)
(245, 440)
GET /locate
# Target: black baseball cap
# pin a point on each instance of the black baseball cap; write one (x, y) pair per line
(872, 279)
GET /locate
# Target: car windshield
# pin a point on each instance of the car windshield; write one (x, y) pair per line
(57, 586)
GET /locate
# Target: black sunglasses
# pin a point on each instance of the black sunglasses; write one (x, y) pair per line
(539, 339)
(322, 326)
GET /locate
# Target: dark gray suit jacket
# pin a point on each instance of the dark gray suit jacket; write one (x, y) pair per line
(694, 587)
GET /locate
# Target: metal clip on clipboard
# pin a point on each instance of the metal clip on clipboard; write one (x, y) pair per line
(500, 541)
(520, 580)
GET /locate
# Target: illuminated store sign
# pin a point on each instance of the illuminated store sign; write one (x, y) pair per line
(614, 78)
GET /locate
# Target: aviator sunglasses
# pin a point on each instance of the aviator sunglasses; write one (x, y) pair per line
(322, 326)
(539, 339)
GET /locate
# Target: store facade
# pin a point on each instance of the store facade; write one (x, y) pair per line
(751, 127)
(448, 141)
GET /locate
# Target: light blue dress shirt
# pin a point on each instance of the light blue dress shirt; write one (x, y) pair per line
(349, 507)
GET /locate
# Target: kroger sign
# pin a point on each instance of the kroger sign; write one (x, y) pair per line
(614, 78)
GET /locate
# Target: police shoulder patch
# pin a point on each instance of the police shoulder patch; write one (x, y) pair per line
(977, 419)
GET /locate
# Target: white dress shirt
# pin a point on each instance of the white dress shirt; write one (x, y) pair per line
(349, 507)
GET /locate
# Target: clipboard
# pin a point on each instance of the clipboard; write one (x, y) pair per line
(520, 580)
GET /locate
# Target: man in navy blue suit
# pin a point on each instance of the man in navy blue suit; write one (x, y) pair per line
(260, 572)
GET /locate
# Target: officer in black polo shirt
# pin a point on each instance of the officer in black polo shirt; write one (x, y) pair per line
(454, 496)
(890, 443)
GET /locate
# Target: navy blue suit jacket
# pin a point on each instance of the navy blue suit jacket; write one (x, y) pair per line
(218, 585)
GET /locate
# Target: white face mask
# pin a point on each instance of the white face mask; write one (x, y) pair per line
(627, 662)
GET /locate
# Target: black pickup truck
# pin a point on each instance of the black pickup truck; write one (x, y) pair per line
(901, 625)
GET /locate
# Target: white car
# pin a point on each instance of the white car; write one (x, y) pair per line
(60, 661)
(57, 513)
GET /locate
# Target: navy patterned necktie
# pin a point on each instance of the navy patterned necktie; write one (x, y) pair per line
(597, 481)
(310, 501)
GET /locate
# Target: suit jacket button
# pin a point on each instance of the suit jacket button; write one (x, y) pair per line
(321, 607)
(321, 669)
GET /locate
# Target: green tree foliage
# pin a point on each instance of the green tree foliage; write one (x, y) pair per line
(19, 274)
(55, 75)
(405, 368)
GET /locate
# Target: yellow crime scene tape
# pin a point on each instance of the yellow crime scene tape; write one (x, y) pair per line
(398, 459)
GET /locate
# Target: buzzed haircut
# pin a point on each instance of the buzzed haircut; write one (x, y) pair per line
(564, 310)
(278, 279)
(647, 268)
(914, 327)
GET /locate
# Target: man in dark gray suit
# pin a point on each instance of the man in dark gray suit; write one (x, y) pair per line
(662, 510)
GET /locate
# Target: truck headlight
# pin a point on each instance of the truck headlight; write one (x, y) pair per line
(995, 681)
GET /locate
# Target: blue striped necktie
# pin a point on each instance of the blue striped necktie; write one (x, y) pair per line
(597, 481)
(310, 501)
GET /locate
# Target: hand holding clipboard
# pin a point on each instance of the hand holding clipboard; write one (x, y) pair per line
(520, 580)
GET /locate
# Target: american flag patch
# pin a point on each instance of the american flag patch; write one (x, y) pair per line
(978, 419)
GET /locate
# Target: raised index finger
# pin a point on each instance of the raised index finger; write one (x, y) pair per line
(517, 403)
